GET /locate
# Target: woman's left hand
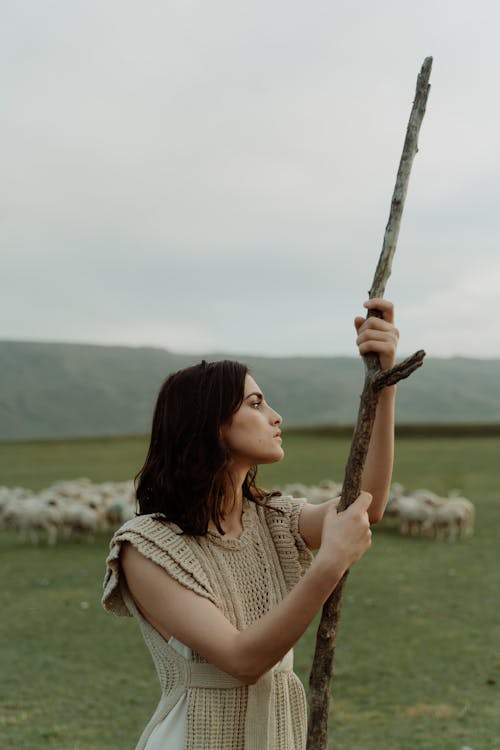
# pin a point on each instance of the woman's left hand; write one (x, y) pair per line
(378, 335)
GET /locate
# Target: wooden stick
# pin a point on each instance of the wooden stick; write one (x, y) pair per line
(375, 380)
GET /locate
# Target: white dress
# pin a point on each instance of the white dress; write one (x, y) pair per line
(169, 733)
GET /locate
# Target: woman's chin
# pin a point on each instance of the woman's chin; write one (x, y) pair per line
(277, 455)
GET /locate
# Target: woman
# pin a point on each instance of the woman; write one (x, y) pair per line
(219, 574)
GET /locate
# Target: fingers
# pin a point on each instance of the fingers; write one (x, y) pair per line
(378, 335)
(362, 502)
(334, 504)
(382, 324)
(358, 511)
(385, 307)
(371, 337)
(382, 331)
(358, 322)
(377, 324)
(373, 341)
(360, 505)
(347, 535)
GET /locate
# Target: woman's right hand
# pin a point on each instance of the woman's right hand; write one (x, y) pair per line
(346, 535)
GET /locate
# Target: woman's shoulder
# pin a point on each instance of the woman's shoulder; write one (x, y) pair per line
(153, 525)
(281, 513)
(163, 543)
(286, 507)
(156, 538)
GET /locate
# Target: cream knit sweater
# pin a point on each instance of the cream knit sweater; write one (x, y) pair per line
(245, 578)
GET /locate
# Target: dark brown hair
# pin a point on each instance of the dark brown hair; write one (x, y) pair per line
(185, 475)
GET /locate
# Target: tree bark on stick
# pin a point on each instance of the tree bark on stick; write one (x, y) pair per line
(375, 380)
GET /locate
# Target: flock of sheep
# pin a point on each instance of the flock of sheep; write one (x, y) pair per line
(423, 513)
(419, 513)
(79, 509)
(69, 509)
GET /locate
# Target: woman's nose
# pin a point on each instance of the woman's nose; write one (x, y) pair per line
(277, 419)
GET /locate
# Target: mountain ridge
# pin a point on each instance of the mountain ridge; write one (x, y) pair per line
(57, 390)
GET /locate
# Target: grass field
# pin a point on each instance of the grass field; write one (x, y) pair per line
(418, 655)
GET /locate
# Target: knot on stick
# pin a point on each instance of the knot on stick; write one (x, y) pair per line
(400, 371)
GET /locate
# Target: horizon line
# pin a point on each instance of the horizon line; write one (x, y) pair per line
(222, 352)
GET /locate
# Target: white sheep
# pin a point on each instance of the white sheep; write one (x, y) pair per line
(80, 519)
(415, 516)
(315, 494)
(75, 507)
(454, 519)
(395, 493)
(31, 515)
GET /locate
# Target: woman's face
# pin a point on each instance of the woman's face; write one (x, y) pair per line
(253, 433)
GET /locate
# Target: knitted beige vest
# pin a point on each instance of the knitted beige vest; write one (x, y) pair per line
(245, 578)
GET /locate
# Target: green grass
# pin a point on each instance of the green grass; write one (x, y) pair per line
(418, 656)
(36, 464)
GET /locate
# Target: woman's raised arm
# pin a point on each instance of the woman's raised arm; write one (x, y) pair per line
(380, 336)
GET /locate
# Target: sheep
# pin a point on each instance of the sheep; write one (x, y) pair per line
(315, 494)
(415, 516)
(420, 513)
(68, 488)
(80, 519)
(391, 509)
(81, 508)
(330, 486)
(454, 519)
(295, 489)
(424, 513)
(31, 515)
(75, 507)
(427, 496)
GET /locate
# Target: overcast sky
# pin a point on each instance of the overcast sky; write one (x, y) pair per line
(216, 176)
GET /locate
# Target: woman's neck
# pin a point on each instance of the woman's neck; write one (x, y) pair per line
(233, 506)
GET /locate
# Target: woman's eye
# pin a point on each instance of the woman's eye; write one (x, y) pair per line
(256, 404)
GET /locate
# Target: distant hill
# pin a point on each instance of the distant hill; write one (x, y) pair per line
(73, 390)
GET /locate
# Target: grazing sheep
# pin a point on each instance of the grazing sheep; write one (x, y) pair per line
(74, 507)
(80, 508)
(423, 513)
(315, 494)
(415, 516)
(454, 519)
(80, 520)
(395, 493)
(427, 496)
(31, 515)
